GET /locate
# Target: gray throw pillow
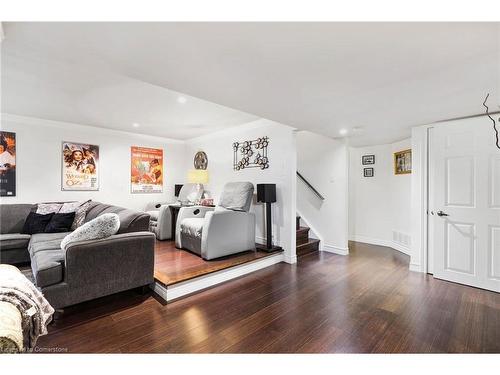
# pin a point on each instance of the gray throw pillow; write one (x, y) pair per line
(101, 227)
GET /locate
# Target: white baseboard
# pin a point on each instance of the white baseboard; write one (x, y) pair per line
(287, 258)
(379, 242)
(181, 289)
(335, 249)
(416, 267)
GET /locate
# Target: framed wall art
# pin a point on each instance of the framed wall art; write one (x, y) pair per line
(7, 164)
(368, 172)
(368, 159)
(146, 170)
(80, 167)
(402, 162)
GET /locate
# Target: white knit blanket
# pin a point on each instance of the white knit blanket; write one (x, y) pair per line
(36, 312)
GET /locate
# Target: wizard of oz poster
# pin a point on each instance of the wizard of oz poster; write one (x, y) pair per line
(80, 166)
(146, 172)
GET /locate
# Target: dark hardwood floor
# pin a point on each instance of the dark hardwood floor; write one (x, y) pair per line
(174, 265)
(367, 302)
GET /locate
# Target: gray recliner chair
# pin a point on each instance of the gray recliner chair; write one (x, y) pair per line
(160, 215)
(226, 229)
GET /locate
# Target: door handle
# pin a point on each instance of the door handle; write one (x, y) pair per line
(441, 213)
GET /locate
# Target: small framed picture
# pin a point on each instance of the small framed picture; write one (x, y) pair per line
(402, 162)
(368, 159)
(368, 172)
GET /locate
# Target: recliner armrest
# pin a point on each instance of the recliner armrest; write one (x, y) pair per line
(224, 231)
(151, 206)
(189, 212)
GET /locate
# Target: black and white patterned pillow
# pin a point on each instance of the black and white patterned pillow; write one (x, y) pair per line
(102, 226)
(48, 208)
(79, 208)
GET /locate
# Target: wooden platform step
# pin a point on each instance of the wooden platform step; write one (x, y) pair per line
(310, 246)
(302, 235)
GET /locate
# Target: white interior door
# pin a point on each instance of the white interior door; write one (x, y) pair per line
(465, 204)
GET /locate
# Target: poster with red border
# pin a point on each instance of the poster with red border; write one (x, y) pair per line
(146, 170)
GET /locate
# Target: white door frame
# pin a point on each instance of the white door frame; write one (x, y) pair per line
(428, 253)
(420, 197)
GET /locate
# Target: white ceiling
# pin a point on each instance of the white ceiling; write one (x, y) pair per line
(376, 80)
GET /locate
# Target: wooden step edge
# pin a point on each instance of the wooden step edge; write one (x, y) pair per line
(311, 241)
(301, 240)
(308, 248)
(303, 229)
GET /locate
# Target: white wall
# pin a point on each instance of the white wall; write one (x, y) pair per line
(39, 162)
(380, 205)
(282, 157)
(323, 162)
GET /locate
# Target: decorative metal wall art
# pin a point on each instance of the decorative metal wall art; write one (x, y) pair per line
(251, 154)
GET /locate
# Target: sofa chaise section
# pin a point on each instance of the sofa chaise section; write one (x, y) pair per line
(88, 269)
(13, 244)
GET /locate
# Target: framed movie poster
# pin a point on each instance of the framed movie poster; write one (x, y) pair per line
(146, 170)
(80, 166)
(7, 164)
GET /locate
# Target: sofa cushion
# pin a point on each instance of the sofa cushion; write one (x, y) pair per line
(13, 217)
(102, 226)
(47, 267)
(192, 226)
(130, 220)
(14, 241)
(45, 241)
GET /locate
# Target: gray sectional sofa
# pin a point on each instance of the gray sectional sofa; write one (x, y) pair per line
(86, 269)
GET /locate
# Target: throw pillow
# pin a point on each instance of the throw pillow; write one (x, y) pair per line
(36, 223)
(60, 223)
(102, 226)
(80, 209)
(48, 208)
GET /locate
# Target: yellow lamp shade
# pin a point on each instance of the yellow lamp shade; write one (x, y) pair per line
(198, 176)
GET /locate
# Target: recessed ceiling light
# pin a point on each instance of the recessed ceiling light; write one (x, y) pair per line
(182, 99)
(343, 131)
(136, 125)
